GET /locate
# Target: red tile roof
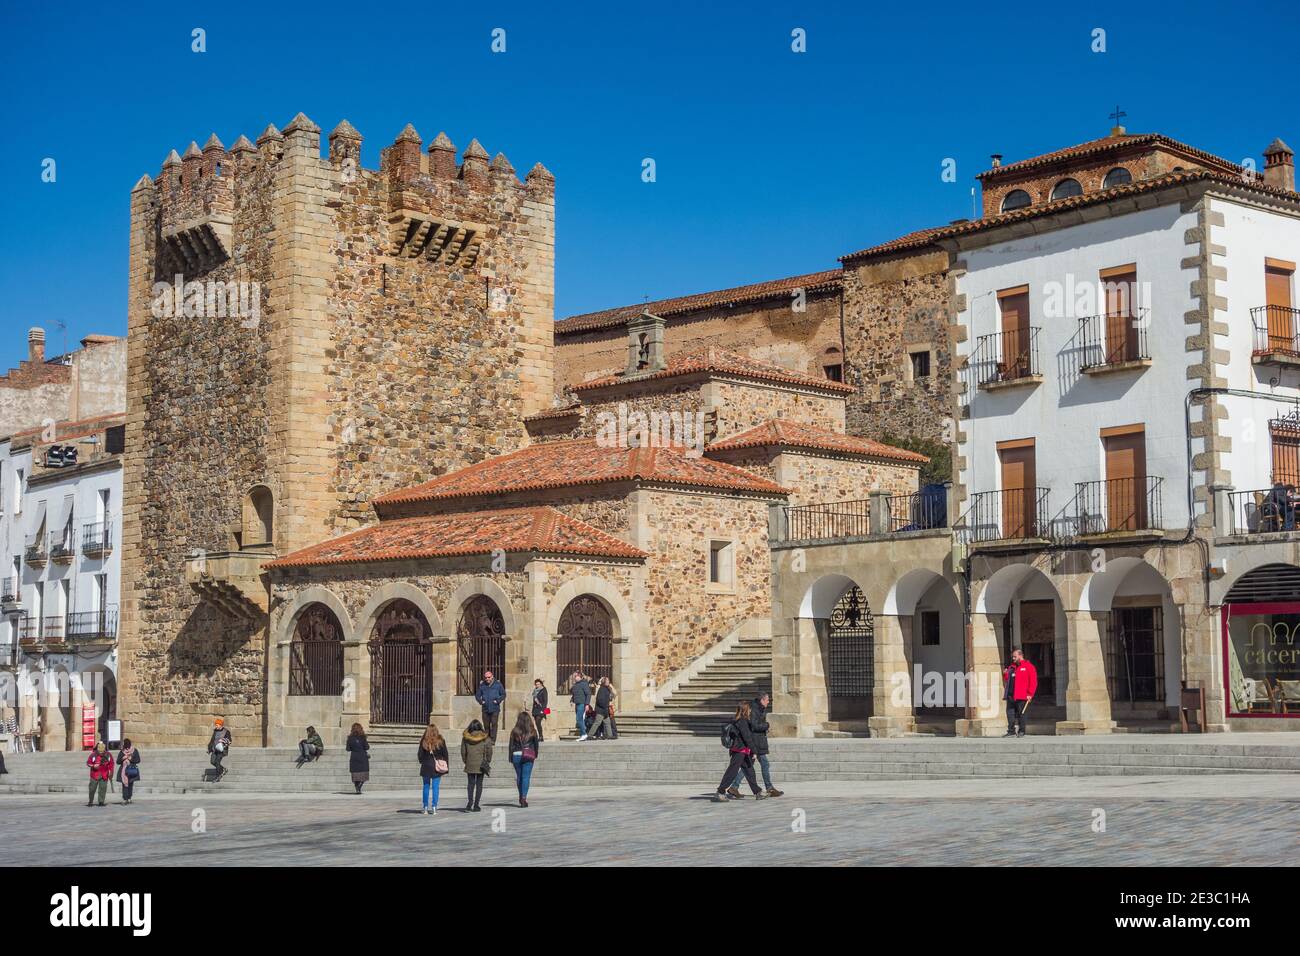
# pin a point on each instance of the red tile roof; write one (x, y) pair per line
(577, 462)
(609, 318)
(560, 412)
(780, 431)
(1108, 144)
(710, 358)
(65, 431)
(913, 240)
(541, 529)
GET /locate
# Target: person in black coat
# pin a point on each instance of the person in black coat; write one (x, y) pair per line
(433, 766)
(358, 757)
(541, 700)
(604, 698)
(758, 710)
(742, 759)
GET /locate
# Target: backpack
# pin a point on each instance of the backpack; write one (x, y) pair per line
(730, 736)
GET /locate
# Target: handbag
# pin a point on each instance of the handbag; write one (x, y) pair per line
(132, 772)
(528, 754)
(439, 765)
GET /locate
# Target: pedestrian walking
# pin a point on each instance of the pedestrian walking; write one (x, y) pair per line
(738, 738)
(604, 701)
(525, 741)
(758, 709)
(580, 694)
(310, 747)
(540, 709)
(1021, 680)
(358, 757)
(613, 697)
(476, 752)
(490, 695)
(219, 747)
(100, 763)
(433, 766)
(128, 769)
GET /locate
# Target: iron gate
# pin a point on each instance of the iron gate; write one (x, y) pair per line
(316, 654)
(585, 643)
(480, 644)
(401, 666)
(850, 664)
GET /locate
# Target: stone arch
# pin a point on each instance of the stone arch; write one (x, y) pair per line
(385, 595)
(907, 591)
(258, 518)
(620, 614)
(998, 591)
(819, 600)
(471, 589)
(1130, 627)
(315, 594)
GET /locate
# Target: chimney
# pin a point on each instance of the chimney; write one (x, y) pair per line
(36, 345)
(645, 345)
(996, 160)
(1279, 166)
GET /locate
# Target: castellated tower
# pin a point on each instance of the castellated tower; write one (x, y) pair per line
(305, 334)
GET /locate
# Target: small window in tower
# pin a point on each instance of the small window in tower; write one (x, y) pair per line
(1066, 188)
(833, 364)
(1117, 177)
(1016, 199)
(921, 364)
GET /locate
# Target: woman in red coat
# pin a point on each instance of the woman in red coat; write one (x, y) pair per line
(100, 763)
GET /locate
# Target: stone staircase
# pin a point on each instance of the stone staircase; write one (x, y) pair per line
(702, 702)
(687, 762)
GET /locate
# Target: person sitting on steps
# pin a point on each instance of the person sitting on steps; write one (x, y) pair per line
(310, 747)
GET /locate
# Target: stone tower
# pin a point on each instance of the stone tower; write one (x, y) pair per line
(305, 334)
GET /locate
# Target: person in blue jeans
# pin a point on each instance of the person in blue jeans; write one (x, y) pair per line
(523, 753)
(433, 765)
(580, 692)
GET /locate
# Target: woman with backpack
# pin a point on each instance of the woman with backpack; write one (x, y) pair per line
(524, 743)
(433, 765)
(476, 751)
(100, 763)
(738, 738)
(128, 769)
(358, 757)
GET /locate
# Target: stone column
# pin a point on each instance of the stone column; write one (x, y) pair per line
(799, 702)
(1087, 698)
(442, 709)
(891, 712)
(988, 709)
(356, 685)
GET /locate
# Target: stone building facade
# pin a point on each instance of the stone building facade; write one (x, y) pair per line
(84, 383)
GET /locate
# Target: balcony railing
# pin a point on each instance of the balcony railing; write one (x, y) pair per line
(35, 552)
(840, 519)
(62, 545)
(1110, 340)
(1118, 504)
(9, 590)
(97, 538)
(1263, 511)
(1006, 357)
(41, 630)
(919, 511)
(1277, 329)
(1010, 514)
(92, 625)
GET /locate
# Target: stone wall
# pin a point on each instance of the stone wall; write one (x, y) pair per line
(769, 330)
(819, 477)
(893, 307)
(743, 405)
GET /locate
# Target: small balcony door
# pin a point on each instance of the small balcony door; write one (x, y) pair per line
(1278, 277)
(1126, 472)
(1019, 478)
(1014, 305)
(1120, 286)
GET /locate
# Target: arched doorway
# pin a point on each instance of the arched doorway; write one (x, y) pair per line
(850, 664)
(401, 666)
(316, 654)
(480, 643)
(585, 642)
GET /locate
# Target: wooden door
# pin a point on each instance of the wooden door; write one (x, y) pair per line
(1018, 489)
(1120, 286)
(1015, 362)
(1126, 470)
(1281, 318)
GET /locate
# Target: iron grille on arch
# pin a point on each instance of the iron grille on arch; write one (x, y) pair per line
(480, 644)
(316, 654)
(401, 666)
(1135, 654)
(585, 642)
(850, 670)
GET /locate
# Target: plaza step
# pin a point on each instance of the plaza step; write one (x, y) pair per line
(684, 761)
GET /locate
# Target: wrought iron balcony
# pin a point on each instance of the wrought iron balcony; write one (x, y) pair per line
(9, 590)
(41, 630)
(1263, 511)
(1011, 514)
(1118, 505)
(1113, 341)
(1006, 358)
(839, 519)
(35, 552)
(922, 510)
(97, 538)
(92, 626)
(62, 546)
(1277, 333)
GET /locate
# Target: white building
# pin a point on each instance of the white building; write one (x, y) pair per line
(60, 543)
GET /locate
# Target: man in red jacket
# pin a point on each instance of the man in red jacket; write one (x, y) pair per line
(1021, 680)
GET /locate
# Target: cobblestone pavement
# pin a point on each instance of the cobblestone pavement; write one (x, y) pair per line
(1202, 821)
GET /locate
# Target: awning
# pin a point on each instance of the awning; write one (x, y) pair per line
(35, 520)
(65, 514)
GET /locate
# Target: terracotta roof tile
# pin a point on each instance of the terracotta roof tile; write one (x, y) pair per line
(577, 462)
(913, 240)
(541, 529)
(710, 358)
(608, 318)
(780, 431)
(65, 431)
(1107, 144)
(564, 411)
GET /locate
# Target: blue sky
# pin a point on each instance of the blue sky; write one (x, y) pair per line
(769, 163)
